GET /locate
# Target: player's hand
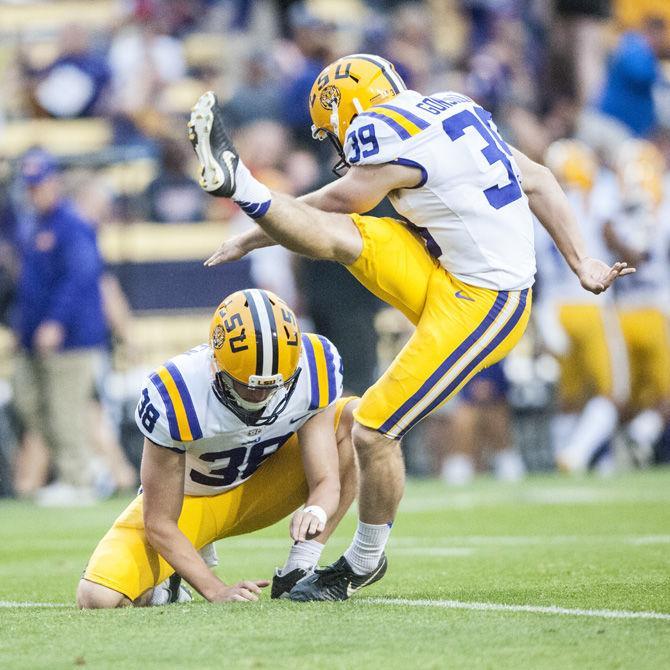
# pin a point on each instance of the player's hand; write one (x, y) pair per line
(230, 250)
(305, 526)
(244, 591)
(596, 276)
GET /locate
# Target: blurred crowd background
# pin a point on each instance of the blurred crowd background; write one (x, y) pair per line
(103, 227)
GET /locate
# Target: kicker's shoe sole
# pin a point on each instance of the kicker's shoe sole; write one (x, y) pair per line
(216, 153)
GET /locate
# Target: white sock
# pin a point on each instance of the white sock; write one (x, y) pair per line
(646, 427)
(596, 425)
(561, 427)
(252, 196)
(509, 466)
(367, 547)
(209, 555)
(458, 470)
(303, 555)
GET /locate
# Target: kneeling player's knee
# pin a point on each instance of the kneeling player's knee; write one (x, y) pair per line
(371, 444)
(95, 596)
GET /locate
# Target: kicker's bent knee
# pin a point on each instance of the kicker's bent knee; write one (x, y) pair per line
(369, 440)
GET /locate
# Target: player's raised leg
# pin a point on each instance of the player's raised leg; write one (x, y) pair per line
(462, 330)
(293, 224)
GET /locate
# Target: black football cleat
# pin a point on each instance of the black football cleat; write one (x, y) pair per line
(177, 590)
(336, 582)
(282, 584)
(215, 150)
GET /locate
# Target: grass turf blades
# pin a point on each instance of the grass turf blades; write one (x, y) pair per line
(573, 544)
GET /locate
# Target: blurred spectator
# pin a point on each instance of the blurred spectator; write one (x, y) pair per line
(480, 431)
(410, 45)
(638, 233)
(258, 96)
(74, 83)
(579, 45)
(632, 72)
(142, 58)
(60, 328)
(484, 16)
(314, 38)
(174, 197)
(579, 328)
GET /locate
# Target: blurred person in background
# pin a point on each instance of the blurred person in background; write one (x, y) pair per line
(410, 45)
(627, 100)
(60, 328)
(173, 196)
(578, 44)
(143, 57)
(258, 96)
(112, 468)
(314, 38)
(576, 326)
(480, 432)
(75, 82)
(639, 231)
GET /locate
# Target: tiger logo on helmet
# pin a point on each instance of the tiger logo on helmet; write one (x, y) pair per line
(255, 341)
(346, 88)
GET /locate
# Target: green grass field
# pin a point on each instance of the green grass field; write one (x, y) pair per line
(580, 546)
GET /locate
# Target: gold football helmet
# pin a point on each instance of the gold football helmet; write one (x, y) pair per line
(640, 167)
(573, 163)
(255, 341)
(346, 88)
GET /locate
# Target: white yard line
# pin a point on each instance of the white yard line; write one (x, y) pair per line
(532, 609)
(461, 542)
(451, 500)
(447, 604)
(433, 551)
(12, 604)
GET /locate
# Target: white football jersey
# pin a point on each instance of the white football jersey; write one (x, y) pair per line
(179, 410)
(469, 205)
(558, 283)
(647, 232)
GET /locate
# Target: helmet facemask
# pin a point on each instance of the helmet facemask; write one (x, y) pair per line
(339, 169)
(249, 412)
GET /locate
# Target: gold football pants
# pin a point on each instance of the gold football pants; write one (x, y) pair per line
(596, 363)
(125, 561)
(645, 331)
(460, 329)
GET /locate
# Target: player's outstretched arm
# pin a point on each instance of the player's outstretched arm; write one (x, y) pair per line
(552, 208)
(239, 246)
(307, 226)
(316, 230)
(318, 446)
(163, 493)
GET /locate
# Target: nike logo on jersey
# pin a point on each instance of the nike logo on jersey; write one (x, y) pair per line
(299, 418)
(462, 296)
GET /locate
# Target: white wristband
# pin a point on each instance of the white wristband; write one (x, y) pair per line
(318, 512)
